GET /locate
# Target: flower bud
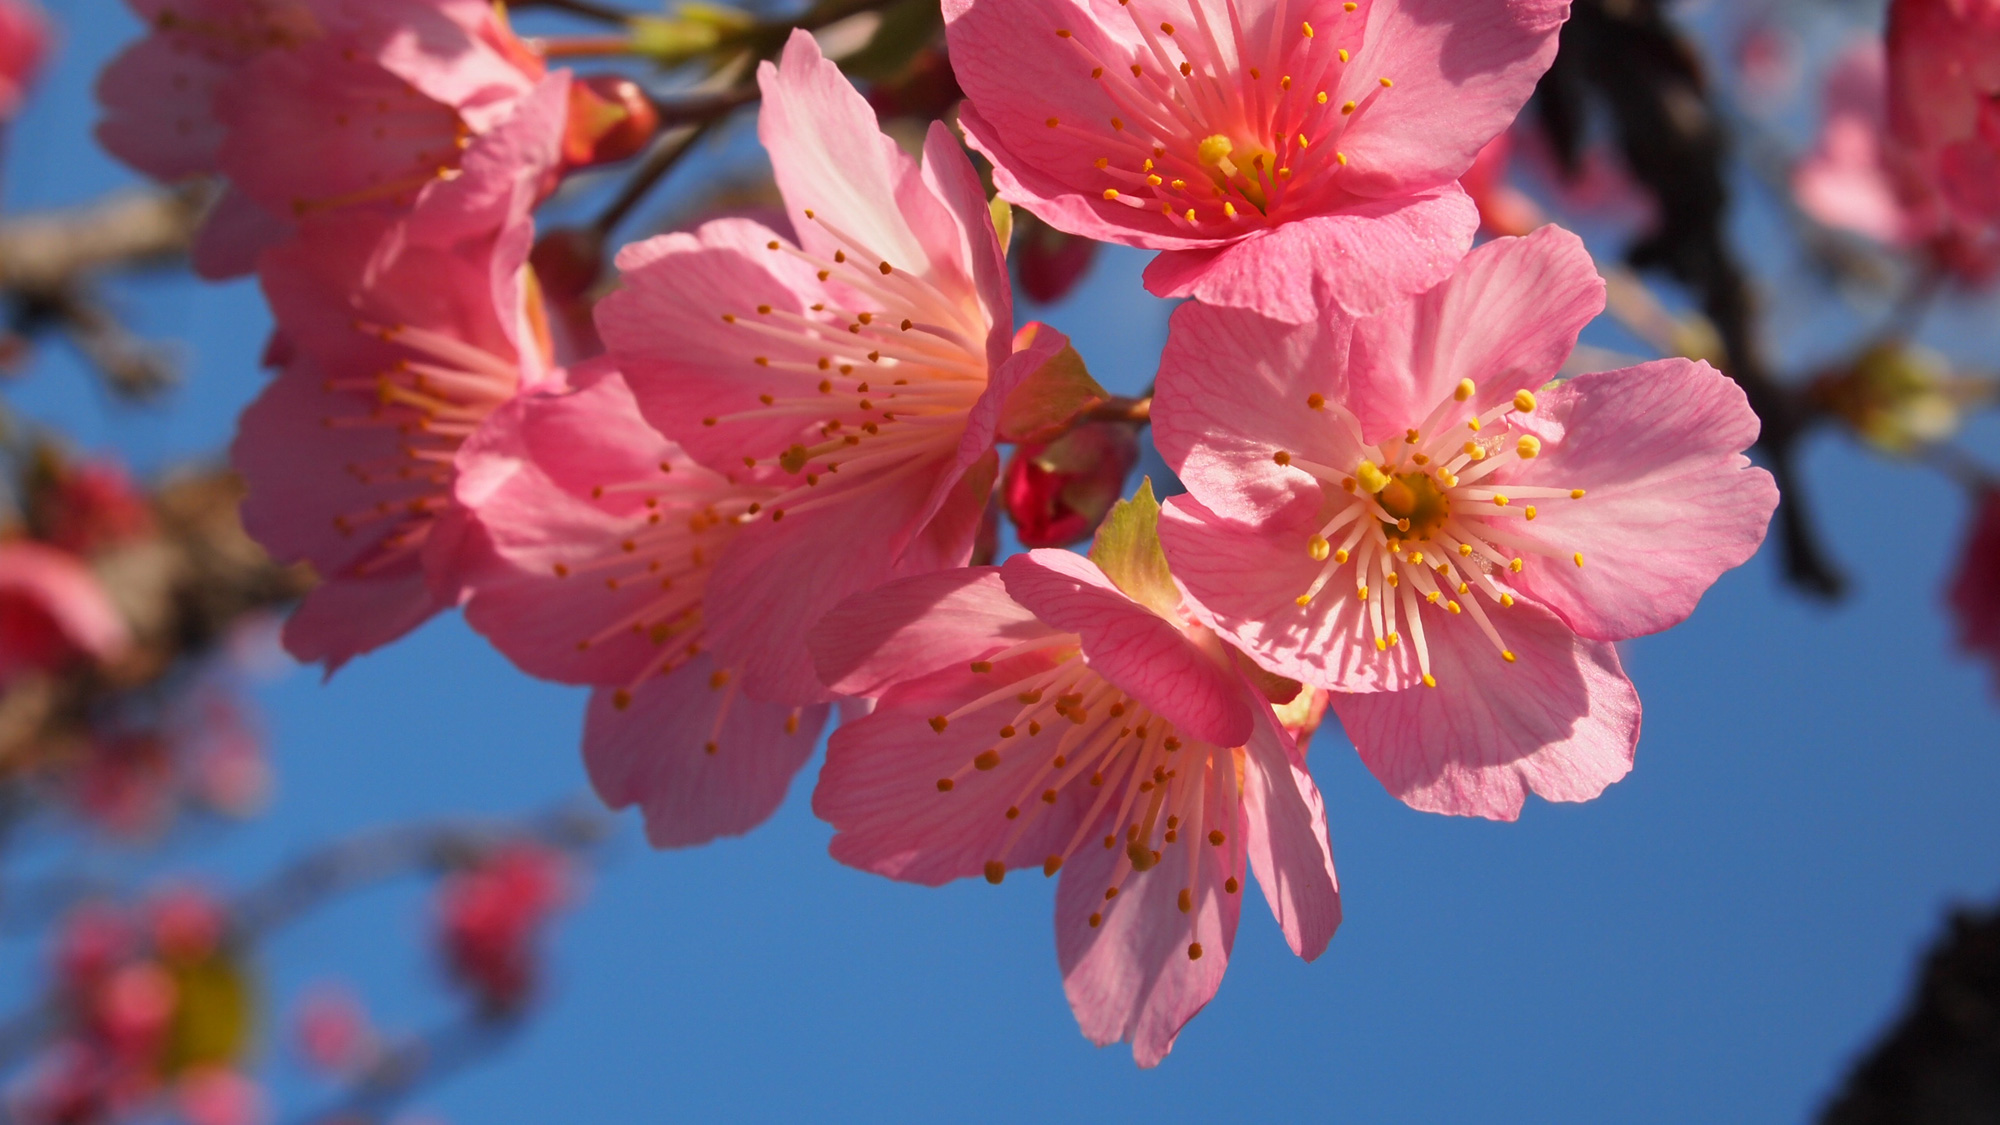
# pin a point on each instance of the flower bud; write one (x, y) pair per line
(1050, 262)
(489, 918)
(610, 118)
(1059, 491)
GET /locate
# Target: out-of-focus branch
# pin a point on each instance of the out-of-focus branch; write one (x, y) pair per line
(389, 853)
(1627, 54)
(401, 1069)
(50, 263)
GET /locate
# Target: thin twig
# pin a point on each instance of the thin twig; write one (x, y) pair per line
(665, 155)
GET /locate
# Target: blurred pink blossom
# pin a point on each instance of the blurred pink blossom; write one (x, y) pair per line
(24, 40)
(53, 611)
(332, 1030)
(490, 917)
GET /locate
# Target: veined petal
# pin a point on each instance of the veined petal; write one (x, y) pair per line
(915, 626)
(1560, 721)
(1286, 835)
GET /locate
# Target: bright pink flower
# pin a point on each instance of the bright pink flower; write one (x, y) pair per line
(394, 352)
(606, 537)
(1975, 589)
(24, 40)
(1055, 715)
(1281, 156)
(310, 106)
(863, 371)
(490, 917)
(1390, 505)
(1057, 492)
(53, 611)
(1944, 99)
(1861, 177)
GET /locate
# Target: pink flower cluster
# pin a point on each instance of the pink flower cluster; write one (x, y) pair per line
(1909, 153)
(761, 499)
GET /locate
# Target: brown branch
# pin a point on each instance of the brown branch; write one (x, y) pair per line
(1628, 54)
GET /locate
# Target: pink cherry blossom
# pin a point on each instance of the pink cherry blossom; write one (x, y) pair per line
(1863, 178)
(393, 352)
(490, 917)
(1282, 155)
(310, 106)
(1389, 504)
(864, 367)
(606, 536)
(1038, 715)
(53, 611)
(24, 40)
(1944, 99)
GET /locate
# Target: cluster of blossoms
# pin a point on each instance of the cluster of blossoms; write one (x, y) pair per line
(761, 497)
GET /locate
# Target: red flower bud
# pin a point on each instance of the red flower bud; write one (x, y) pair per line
(1050, 262)
(1058, 492)
(610, 118)
(489, 919)
(568, 262)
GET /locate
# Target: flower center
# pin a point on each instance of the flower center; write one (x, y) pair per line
(1425, 523)
(1218, 127)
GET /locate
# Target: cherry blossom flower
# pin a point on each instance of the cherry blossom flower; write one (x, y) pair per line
(311, 106)
(1863, 178)
(490, 917)
(392, 353)
(606, 537)
(24, 40)
(332, 1030)
(1390, 511)
(53, 610)
(1944, 99)
(867, 364)
(1282, 155)
(1062, 713)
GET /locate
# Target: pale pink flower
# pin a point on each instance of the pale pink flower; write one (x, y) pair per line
(24, 41)
(1861, 177)
(605, 537)
(1944, 99)
(1051, 714)
(53, 611)
(1282, 154)
(392, 353)
(311, 106)
(332, 1030)
(864, 368)
(1391, 506)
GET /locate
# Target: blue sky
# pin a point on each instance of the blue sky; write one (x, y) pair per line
(1714, 939)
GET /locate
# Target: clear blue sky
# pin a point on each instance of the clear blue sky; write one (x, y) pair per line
(1713, 940)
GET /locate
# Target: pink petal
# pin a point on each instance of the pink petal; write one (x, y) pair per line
(777, 580)
(1014, 70)
(879, 788)
(1670, 501)
(1562, 721)
(1358, 259)
(1144, 654)
(915, 626)
(663, 327)
(159, 102)
(830, 156)
(654, 753)
(235, 234)
(502, 172)
(949, 174)
(349, 615)
(1506, 319)
(1244, 580)
(540, 476)
(1286, 838)
(1130, 976)
(1232, 391)
(46, 590)
(1461, 72)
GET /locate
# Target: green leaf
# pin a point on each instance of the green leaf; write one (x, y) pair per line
(1003, 223)
(1127, 550)
(1051, 397)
